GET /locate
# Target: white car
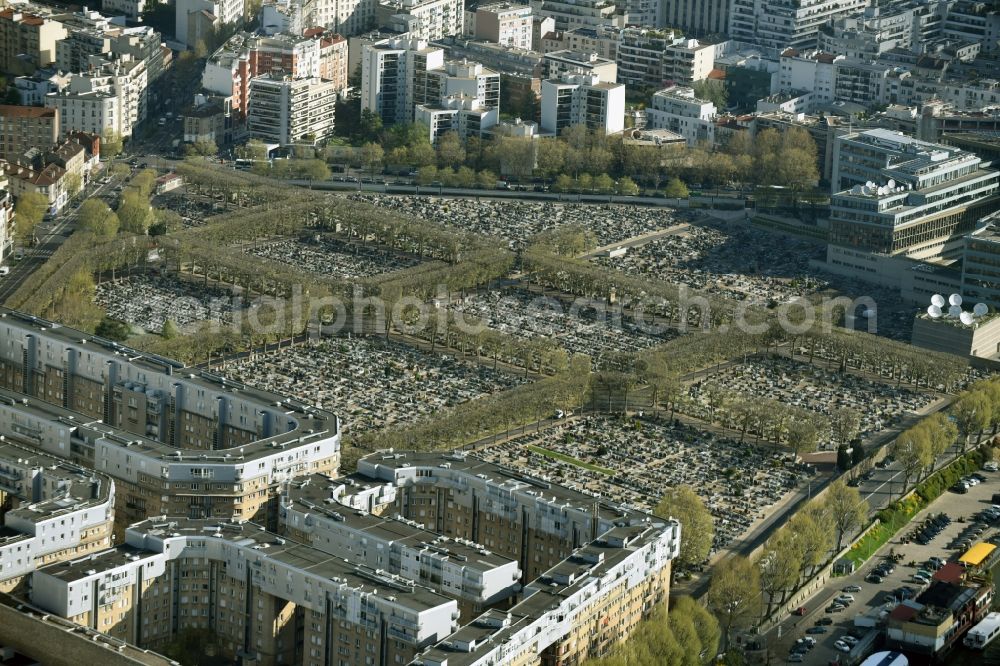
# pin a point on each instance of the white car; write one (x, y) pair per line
(842, 646)
(846, 599)
(850, 640)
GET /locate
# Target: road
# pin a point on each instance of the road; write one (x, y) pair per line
(50, 234)
(959, 507)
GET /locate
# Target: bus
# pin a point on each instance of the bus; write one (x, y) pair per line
(983, 633)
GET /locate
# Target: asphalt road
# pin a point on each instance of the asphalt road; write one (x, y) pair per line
(50, 234)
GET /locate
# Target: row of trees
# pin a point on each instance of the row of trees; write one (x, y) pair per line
(743, 590)
(917, 448)
(686, 636)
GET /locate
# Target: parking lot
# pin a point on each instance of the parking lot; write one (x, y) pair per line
(873, 597)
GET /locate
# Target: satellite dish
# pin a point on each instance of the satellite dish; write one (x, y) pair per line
(955, 299)
(856, 189)
(967, 318)
(954, 311)
(870, 184)
(981, 309)
(933, 311)
(891, 184)
(938, 300)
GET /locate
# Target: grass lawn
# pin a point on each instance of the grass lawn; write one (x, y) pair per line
(555, 455)
(878, 536)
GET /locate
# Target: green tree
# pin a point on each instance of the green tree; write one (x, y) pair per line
(112, 329)
(676, 189)
(144, 183)
(564, 183)
(802, 436)
(973, 413)
(913, 451)
(604, 184)
(28, 213)
(847, 510)
(551, 157)
(734, 594)
(486, 179)
(844, 423)
(111, 145)
(165, 221)
(370, 125)
(713, 91)
(421, 153)
(697, 527)
(201, 148)
(627, 187)
(170, 330)
(427, 175)
(705, 624)
(843, 458)
(779, 562)
(73, 184)
(450, 152)
(135, 214)
(97, 218)
(372, 156)
(312, 169)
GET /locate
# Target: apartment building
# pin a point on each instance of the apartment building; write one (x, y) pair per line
(396, 77)
(52, 511)
(696, 17)
(332, 59)
(343, 584)
(678, 110)
(895, 195)
(779, 24)
(312, 513)
(6, 218)
(111, 97)
(195, 19)
(558, 63)
(649, 59)
(266, 598)
(422, 19)
(345, 17)
(27, 41)
(879, 30)
(574, 551)
(24, 127)
(570, 14)
(602, 41)
(582, 99)
(290, 111)
(49, 180)
(175, 441)
(504, 23)
(466, 116)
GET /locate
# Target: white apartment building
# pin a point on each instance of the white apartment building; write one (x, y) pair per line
(347, 17)
(466, 116)
(290, 111)
(423, 19)
(112, 98)
(779, 24)
(394, 77)
(570, 14)
(582, 99)
(193, 18)
(504, 23)
(678, 109)
(133, 9)
(566, 61)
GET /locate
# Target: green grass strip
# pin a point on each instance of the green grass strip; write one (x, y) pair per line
(555, 455)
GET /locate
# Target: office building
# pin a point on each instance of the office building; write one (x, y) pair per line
(289, 111)
(27, 41)
(678, 110)
(895, 195)
(582, 99)
(24, 127)
(981, 266)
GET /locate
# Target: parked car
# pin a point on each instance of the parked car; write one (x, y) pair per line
(851, 588)
(824, 622)
(874, 578)
(850, 640)
(796, 658)
(846, 599)
(842, 646)
(817, 630)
